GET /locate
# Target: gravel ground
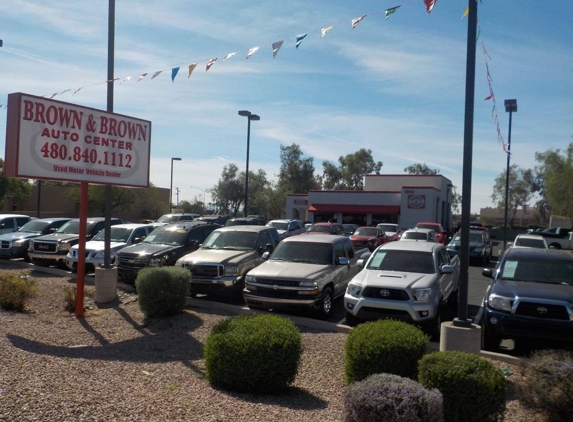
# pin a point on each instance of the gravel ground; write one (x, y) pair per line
(114, 365)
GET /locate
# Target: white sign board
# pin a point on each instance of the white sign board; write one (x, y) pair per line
(49, 139)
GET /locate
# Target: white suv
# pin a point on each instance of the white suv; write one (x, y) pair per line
(287, 228)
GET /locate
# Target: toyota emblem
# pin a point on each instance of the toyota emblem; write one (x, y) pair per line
(384, 293)
(542, 310)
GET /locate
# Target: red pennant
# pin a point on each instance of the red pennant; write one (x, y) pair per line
(430, 4)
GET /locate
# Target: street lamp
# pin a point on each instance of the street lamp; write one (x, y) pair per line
(510, 107)
(203, 198)
(171, 186)
(249, 117)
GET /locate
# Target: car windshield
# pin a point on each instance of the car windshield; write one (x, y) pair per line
(279, 225)
(388, 228)
(71, 227)
(415, 236)
(305, 252)
(237, 223)
(366, 232)
(34, 227)
(550, 271)
(530, 243)
(118, 234)
(235, 240)
(319, 229)
(474, 237)
(167, 236)
(168, 219)
(404, 261)
(427, 226)
(348, 228)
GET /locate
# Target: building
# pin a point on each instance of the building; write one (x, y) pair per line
(387, 198)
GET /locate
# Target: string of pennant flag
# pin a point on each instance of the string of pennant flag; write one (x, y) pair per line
(298, 39)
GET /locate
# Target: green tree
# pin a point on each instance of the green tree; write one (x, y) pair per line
(420, 169)
(229, 192)
(297, 171)
(122, 199)
(195, 207)
(13, 187)
(519, 192)
(270, 201)
(350, 172)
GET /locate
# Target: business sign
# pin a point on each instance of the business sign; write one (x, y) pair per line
(49, 139)
(300, 202)
(417, 202)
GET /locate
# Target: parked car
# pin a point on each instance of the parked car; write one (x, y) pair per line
(176, 218)
(530, 297)
(11, 222)
(441, 234)
(528, 241)
(162, 247)
(481, 247)
(219, 267)
(368, 237)
(303, 272)
(245, 221)
(560, 239)
(326, 228)
(15, 244)
(424, 235)
(216, 219)
(348, 228)
(408, 281)
(121, 235)
(393, 231)
(287, 228)
(51, 249)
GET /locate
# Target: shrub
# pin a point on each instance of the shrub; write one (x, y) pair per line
(473, 388)
(391, 398)
(162, 291)
(16, 289)
(69, 296)
(254, 353)
(549, 384)
(387, 346)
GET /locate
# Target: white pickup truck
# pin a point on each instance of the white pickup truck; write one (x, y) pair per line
(557, 237)
(304, 272)
(408, 281)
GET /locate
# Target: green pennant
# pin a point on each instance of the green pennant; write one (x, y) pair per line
(390, 11)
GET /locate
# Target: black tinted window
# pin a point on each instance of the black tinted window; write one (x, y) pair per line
(405, 261)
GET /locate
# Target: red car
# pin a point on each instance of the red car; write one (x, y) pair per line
(368, 237)
(326, 228)
(441, 234)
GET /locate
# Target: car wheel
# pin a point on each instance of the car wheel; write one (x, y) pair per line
(324, 309)
(489, 340)
(351, 320)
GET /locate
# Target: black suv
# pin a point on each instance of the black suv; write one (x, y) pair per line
(162, 247)
(52, 249)
(531, 297)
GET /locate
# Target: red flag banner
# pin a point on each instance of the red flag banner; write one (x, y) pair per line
(430, 4)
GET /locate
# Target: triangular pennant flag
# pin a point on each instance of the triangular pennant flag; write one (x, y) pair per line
(479, 33)
(466, 12)
(252, 51)
(489, 97)
(210, 63)
(355, 21)
(430, 5)
(77, 90)
(299, 39)
(65, 90)
(156, 74)
(53, 95)
(228, 56)
(143, 75)
(323, 31)
(125, 80)
(174, 72)
(192, 67)
(390, 11)
(276, 47)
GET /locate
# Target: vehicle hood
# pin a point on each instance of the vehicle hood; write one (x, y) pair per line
(18, 235)
(58, 237)
(289, 270)
(524, 289)
(217, 256)
(99, 245)
(150, 249)
(396, 279)
(361, 238)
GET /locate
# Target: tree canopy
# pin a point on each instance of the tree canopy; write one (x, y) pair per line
(297, 171)
(519, 192)
(350, 172)
(420, 169)
(18, 189)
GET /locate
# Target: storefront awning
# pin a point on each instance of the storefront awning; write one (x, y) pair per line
(355, 209)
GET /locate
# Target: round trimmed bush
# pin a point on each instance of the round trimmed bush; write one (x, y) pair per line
(391, 398)
(473, 388)
(162, 291)
(254, 353)
(386, 346)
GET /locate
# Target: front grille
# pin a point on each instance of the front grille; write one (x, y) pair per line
(74, 253)
(278, 282)
(207, 271)
(392, 294)
(542, 310)
(5, 244)
(279, 293)
(49, 247)
(128, 260)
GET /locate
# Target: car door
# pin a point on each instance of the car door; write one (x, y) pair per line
(341, 273)
(446, 281)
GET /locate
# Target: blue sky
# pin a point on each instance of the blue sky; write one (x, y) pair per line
(394, 86)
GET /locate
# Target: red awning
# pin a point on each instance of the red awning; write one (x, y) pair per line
(355, 209)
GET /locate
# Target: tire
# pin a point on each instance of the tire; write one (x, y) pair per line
(324, 308)
(351, 320)
(489, 341)
(555, 246)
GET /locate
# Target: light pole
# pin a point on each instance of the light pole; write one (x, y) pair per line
(510, 107)
(203, 198)
(249, 117)
(171, 186)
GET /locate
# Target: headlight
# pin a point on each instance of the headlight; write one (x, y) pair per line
(99, 255)
(307, 284)
(64, 246)
(251, 279)
(19, 243)
(231, 270)
(500, 303)
(154, 262)
(478, 249)
(354, 289)
(422, 295)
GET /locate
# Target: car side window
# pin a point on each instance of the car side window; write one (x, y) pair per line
(194, 235)
(8, 223)
(339, 251)
(141, 233)
(445, 257)
(20, 221)
(349, 248)
(264, 239)
(206, 230)
(275, 237)
(98, 227)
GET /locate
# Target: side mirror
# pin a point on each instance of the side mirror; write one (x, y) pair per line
(360, 263)
(343, 260)
(266, 255)
(447, 269)
(487, 272)
(136, 240)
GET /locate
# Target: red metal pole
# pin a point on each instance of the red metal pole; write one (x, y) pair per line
(82, 250)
